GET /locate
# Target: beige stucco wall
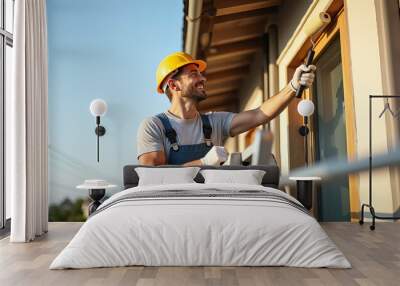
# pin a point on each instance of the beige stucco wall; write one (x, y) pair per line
(367, 79)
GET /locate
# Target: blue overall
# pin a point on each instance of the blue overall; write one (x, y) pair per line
(181, 154)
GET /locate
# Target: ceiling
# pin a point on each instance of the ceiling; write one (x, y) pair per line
(231, 32)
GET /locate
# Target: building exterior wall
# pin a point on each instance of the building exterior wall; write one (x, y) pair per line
(368, 76)
(251, 96)
(290, 50)
(367, 79)
(251, 93)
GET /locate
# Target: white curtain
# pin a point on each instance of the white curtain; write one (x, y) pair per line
(28, 123)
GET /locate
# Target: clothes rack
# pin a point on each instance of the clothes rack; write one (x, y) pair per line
(370, 205)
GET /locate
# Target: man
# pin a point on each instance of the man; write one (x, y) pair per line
(183, 136)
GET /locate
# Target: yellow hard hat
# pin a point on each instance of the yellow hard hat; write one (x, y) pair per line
(173, 62)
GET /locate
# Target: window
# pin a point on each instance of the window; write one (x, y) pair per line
(6, 44)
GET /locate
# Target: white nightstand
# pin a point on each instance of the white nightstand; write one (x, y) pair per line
(304, 189)
(97, 190)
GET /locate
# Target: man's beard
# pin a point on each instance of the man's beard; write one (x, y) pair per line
(194, 93)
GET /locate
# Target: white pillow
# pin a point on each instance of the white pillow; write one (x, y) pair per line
(166, 176)
(249, 177)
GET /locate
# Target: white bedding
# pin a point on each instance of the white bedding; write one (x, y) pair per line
(190, 230)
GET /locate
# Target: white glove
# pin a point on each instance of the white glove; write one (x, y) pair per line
(303, 75)
(215, 156)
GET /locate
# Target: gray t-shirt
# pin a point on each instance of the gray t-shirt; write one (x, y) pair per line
(151, 136)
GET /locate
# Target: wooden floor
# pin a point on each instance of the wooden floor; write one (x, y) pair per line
(374, 255)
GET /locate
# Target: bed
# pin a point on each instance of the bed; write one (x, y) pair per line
(198, 224)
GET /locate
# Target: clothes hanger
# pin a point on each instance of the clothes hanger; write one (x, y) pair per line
(387, 107)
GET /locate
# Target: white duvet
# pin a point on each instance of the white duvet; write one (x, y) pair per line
(190, 230)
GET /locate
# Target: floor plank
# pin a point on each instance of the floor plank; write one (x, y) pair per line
(374, 255)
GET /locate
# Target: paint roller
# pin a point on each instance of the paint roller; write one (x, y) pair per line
(311, 28)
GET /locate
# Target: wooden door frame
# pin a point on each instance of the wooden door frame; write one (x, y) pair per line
(338, 27)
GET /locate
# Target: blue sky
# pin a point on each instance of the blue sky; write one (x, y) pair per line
(109, 50)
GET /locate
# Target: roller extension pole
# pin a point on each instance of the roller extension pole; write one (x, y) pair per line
(311, 28)
(309, 59)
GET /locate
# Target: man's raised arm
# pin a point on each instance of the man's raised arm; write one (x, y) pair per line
(272, 107)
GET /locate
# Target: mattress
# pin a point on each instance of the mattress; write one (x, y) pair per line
(201, 225)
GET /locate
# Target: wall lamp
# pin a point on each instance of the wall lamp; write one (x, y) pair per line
(305, 108)
(98, 108)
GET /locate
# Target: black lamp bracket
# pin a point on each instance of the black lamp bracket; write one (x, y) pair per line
(304, 130)
(100, 130)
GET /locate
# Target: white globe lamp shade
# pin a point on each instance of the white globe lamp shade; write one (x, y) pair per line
(98, 107)
(305, 107)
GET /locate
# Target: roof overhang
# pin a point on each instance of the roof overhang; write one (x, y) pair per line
(230, 32)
